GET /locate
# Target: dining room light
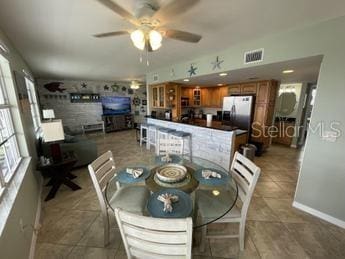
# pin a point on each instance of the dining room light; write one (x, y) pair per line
(288, 71)
(186, 80)
(138, 39)
(134, 85)
(155, 39)
(223, 74)
(220, 84)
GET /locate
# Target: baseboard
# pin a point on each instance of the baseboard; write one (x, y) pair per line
(319, 214)
(37, 221)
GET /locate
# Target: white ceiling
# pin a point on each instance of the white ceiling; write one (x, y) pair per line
(54, 36)
(305, 70)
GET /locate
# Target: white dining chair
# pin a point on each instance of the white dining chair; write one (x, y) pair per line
(131, 198)
(246, 174)
(170, 146)
(155, 238)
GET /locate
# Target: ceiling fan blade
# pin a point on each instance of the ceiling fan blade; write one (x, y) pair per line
(175, 7)
(183, 35)
(109, 34)
(120, 11)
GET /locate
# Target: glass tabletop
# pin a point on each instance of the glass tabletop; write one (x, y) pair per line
(210, 199)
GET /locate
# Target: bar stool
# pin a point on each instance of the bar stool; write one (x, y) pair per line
(183, 136)
(151, 136)
(162, 133)
(144, 128)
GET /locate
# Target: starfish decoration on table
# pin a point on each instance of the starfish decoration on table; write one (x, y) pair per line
(217, 63)
(192, 70)
(83, 85)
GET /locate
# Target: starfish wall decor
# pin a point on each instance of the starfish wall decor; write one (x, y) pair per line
(217, 63)
(192, 70)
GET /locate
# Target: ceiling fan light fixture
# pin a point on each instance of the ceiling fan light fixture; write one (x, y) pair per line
(138, 39)
(155, 39)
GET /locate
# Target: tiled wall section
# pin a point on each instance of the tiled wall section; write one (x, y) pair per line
(74, 115)
(210, 144)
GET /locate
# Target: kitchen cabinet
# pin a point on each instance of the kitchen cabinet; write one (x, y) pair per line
(196, 97)
(249, 88)
(234, 89)
(284, 133)
(158, 96)
(210, 97)
(223, 92)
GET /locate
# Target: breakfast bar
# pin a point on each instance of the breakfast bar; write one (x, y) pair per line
(215, 142)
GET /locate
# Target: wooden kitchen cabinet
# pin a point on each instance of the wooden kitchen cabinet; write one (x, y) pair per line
(158, 96)
(223, 92)
(234, 89)
(249, 88)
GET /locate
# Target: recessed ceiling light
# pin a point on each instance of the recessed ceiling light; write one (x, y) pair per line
(220, 84)
(186, 80)
(289, 71)
(223, 74)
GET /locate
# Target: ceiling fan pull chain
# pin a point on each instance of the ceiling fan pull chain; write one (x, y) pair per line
(147, 57)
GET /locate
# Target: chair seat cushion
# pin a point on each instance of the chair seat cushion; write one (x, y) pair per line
(130, 198)
(209, 208)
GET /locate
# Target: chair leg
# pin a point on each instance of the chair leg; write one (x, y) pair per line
(241, 235)
(141, 136)
(148, 139)
(106, 229)
(203, 239)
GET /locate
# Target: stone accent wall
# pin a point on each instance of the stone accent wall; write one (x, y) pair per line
(73, 115)
(211, 144)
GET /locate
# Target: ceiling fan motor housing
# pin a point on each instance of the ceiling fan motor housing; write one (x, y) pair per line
(145, 9)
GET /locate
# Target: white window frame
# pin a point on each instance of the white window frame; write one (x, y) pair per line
(12, 148)
(34, 107)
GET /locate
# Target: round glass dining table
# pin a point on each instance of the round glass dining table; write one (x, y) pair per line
(211, 198)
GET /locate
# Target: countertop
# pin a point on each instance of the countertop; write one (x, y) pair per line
(202, 123)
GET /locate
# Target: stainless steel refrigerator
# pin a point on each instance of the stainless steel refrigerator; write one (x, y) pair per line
(238, 111)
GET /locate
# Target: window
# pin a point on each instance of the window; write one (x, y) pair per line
(9, 152)
(35, 112)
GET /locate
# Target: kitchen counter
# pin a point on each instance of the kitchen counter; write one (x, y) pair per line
(217, 125)
(216, 143)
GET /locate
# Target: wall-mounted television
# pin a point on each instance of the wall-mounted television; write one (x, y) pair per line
(115, 105)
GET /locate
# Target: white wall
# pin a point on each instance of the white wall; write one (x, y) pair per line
(15, 243)
(322, 177)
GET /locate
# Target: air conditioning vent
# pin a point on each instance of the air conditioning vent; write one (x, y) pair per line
(254, 56)
(155, 78)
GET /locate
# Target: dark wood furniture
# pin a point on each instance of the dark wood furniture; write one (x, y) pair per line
(59, 173)
(117, 122)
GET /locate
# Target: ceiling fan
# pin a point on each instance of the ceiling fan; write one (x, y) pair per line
(148, 19)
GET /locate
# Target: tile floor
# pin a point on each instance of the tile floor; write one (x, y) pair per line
(72, 226)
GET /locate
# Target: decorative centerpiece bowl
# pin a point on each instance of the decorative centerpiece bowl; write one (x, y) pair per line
(171, 173)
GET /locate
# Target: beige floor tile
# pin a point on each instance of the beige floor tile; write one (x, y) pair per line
(270, 190)
(94, 236)
(282, 175)
(273, 240)
(69, 229)
(52, 251)
(284, 210)
(317, 240)
(259, 210)
(288, 187)
(89, 201)
(229, 248)
(80, 252)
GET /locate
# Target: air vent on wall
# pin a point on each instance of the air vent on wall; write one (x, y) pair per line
(254, 56)
(155, 78)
